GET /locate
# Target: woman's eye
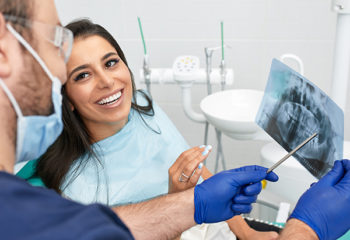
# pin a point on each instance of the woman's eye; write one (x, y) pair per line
(111, 63)
(81, 76)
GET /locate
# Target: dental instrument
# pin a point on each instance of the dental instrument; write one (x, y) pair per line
(208, 57)
(146, 68)
(291, 153)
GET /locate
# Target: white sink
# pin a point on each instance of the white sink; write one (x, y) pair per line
(233, 112)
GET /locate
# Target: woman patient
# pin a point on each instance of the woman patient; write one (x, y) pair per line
(117, 145)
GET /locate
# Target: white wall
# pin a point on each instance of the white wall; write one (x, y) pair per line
(257, 30)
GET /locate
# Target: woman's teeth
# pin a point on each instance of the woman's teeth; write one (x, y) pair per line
(110, 99)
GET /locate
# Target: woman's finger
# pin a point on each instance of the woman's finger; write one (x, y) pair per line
(183, 156)
(193, 163)
(195, 176)
(187, 167)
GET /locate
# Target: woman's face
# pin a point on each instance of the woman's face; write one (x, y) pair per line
(99, 86)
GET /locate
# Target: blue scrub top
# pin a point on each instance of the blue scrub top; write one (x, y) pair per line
(36, 213)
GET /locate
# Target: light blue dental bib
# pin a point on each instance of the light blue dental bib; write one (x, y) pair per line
(133, 164)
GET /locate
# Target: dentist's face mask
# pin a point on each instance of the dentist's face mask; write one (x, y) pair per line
(36, 133)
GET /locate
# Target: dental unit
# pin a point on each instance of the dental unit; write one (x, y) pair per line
(185, 72)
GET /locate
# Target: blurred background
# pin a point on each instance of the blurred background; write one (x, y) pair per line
(256, 30)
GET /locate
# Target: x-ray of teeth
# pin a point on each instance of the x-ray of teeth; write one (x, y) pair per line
(293, 109)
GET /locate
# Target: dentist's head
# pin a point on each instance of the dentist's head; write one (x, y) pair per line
(33, 51)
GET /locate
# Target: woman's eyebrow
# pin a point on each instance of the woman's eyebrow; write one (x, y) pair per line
(77, 69)
(86, 65)
(108, 55)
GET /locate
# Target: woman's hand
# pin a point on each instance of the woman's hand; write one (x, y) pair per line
(187, 169)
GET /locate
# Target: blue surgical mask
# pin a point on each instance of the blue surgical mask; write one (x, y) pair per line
(36, 133)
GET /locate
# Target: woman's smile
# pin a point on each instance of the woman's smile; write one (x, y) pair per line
(111, 101)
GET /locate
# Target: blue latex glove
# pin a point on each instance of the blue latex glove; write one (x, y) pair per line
(229, 193)
(325, 207)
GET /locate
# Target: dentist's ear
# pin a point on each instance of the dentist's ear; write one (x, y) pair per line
(5, 66)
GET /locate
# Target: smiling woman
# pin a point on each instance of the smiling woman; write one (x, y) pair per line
(94, 74)
(99, 86)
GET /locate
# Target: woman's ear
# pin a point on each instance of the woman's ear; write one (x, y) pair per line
(5, 67)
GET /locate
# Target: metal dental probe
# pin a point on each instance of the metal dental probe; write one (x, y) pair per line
(291, 153)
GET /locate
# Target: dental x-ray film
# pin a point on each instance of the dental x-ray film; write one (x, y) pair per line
(293, 109)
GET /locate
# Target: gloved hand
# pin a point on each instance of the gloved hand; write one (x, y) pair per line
(229, 193)
(325, 207)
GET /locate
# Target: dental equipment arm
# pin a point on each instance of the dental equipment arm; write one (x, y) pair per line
(325, 207)
(147, 73)
(217, 199)
(222, 64)
(187, 105)
(146, 68)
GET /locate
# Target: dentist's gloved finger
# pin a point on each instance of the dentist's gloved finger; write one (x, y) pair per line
(252, 189)
(346, 164)
(241, 208)
(272, 177)
(312, 184)
(243, 199)
(250, 168)
(333, 176)
(242, 178)
(344, 183)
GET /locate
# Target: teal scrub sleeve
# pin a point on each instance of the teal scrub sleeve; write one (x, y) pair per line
(28, 173)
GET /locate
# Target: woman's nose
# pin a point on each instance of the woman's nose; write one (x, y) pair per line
(104, 80)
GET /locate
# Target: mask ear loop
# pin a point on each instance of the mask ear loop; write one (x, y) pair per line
(31, 50)
(12, 99)
(16, 107)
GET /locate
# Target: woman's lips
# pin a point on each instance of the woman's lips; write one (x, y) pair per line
(111, 101)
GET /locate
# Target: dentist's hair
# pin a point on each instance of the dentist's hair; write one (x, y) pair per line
(17, 8)
(75, 140)
(20, 9)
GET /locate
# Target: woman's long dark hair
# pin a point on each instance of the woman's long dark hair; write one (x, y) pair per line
(75, 140)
